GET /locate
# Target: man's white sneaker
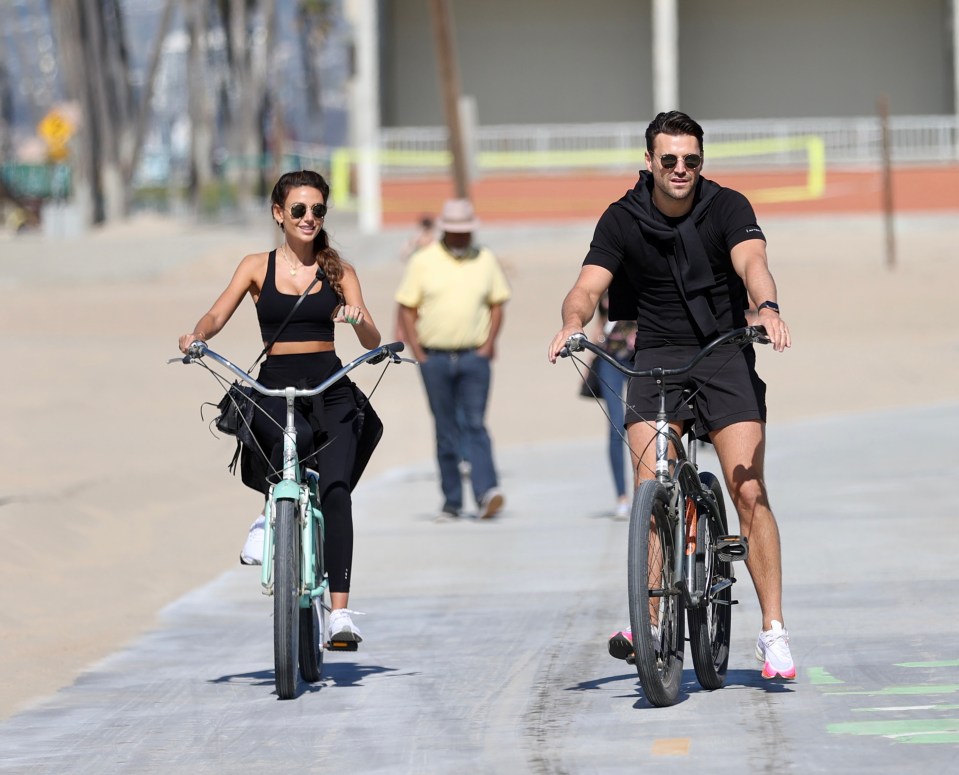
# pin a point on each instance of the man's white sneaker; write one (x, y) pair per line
(772, 649)
(344, 635)
(252, 552)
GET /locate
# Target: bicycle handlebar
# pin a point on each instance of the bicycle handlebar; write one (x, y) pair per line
(200, 349)
(747, 335)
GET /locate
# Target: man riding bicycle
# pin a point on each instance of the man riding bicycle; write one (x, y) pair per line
(684, 257)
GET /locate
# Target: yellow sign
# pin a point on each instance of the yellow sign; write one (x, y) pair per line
(57, 130)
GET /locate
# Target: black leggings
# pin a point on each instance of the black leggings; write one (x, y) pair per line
(326, 442)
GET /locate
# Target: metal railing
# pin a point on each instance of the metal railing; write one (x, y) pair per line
(619, 146)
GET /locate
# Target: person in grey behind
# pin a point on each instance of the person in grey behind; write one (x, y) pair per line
(451, 302)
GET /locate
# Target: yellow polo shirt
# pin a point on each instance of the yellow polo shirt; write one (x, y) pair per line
(452, 296)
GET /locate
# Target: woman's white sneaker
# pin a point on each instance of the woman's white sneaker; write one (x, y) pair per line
(344, 635)
(252, 551)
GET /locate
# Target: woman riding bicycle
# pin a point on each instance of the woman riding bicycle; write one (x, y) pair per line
(303, 355)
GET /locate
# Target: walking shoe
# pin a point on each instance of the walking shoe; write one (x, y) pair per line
(772, 649)
(491, 503)
(447, 513)
(344, 635)
(622, 510)
(252, 552)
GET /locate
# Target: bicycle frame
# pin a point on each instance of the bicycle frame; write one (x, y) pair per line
(679, 475)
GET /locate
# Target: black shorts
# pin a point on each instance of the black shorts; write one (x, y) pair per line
(725, 388)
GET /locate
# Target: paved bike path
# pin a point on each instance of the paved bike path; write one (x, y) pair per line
(485, 641)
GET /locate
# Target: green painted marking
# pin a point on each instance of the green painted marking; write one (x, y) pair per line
(901, 708)
(940, 663)
(894, 690)
(924, 731)
(819, 677)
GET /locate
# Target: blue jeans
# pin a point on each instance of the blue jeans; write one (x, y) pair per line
(611, 384)
(457, 385)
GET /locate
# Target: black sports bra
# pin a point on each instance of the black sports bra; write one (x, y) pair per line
(313, 319)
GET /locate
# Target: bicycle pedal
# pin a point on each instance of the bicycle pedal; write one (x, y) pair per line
(342, 645)
(731, 548)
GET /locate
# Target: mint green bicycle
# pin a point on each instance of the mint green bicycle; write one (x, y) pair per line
(292, 569)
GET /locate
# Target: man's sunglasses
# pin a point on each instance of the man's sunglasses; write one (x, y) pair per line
(670, 160)
(298, 210)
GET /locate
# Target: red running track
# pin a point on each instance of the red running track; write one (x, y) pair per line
(561, 197)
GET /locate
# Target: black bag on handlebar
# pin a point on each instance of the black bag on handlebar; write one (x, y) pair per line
(255, 467)
(236, 409)
(369, 431)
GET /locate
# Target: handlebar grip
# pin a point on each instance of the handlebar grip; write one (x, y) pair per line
(388, 351)
(761, 336)
(575, 344)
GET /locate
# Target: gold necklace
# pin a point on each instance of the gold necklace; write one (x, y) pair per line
(286, 257)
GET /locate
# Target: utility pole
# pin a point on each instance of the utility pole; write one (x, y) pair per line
(450, 86)
(665, 55)
(888, 206)
(365, 113)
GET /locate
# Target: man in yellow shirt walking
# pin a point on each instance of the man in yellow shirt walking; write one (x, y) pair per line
(451, 302)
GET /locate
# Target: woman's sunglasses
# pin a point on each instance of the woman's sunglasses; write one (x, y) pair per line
(670, 160)
(298, 210)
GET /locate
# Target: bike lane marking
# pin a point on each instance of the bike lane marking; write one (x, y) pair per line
(910, 730)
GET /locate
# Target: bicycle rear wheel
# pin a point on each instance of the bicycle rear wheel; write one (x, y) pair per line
(655, 603)
(709, 623)
(313, 622)
(286, 598)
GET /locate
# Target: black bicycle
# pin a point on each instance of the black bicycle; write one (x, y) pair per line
(680, 553)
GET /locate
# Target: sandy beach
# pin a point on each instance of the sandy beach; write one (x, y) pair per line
(114, 496)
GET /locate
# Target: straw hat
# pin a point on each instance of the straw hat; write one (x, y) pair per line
(458, 217)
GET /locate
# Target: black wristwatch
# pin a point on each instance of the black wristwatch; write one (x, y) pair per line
(770, 304)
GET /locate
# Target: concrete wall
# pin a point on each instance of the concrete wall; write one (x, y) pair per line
(783, 58)
(559, 61)
(524, 61)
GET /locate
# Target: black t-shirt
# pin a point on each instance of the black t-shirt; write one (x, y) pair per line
(662, 316)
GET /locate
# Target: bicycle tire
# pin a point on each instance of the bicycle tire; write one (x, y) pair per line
(659, 644)
(313, 623)
(710, 623)
(286, 598)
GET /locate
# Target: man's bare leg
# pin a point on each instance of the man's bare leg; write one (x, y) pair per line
(741, 448)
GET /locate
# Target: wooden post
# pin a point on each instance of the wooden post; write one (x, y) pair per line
(450, 86)
(887, 202)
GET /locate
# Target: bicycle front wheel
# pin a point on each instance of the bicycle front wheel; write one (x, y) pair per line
(655, 602)
(709, 623)
(286, 598)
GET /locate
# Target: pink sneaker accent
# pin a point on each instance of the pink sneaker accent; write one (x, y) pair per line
(621, 644)
(772, 649)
